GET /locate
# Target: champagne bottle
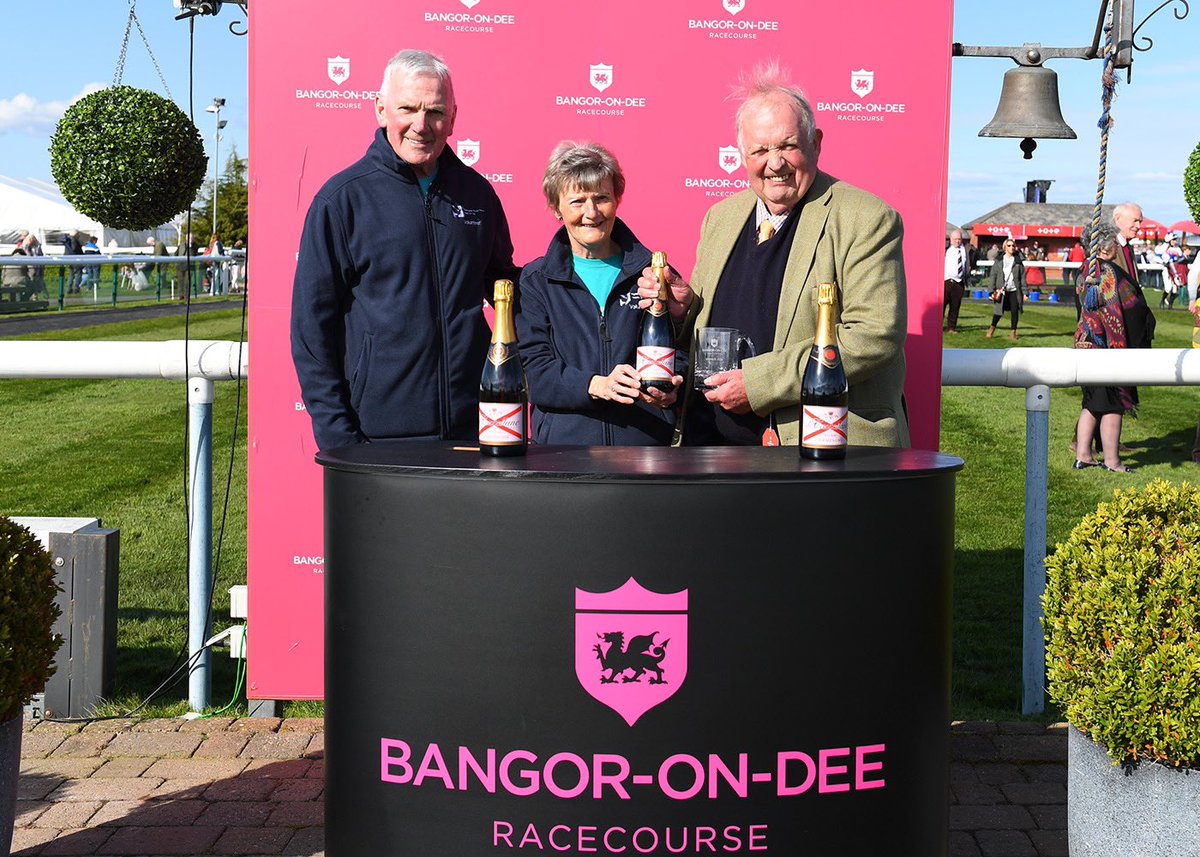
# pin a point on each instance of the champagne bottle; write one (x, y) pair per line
(656, 343)
(503, 397)
(823, 393)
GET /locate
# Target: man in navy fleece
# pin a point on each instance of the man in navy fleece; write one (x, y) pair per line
(398, 253)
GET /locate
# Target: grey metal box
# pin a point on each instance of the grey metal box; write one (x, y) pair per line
(86, 560)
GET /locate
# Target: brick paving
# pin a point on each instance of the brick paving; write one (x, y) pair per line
(255, 786)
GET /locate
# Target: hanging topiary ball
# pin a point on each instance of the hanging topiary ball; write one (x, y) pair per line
(1191, 184)
(127, 157)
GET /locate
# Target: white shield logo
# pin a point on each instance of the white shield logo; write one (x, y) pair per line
(862, 82)
(601, 76)
(338, 69)
(468, 151)
(734, 6)
(470, 4)
(729, 158)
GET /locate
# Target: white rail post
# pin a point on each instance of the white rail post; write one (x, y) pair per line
(200, 581)
(1037, 447)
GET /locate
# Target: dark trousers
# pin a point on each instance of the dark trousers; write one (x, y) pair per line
(1012, 303)
(952, 297)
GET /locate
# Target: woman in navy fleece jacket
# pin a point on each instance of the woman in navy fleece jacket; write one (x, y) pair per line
(579, 320)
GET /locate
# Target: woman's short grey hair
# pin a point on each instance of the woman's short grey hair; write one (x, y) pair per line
(581, 165)
(768, 79)
(413, 63)
(1105, 235)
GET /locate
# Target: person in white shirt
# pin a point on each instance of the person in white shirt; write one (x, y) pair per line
(960, 259)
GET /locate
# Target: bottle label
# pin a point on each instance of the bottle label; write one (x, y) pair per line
(655, 363)
(823, 428)
(830, 357)
(501, 351)
(501, 424)
(657, 308)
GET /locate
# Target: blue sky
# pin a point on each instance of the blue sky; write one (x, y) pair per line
(73, 49)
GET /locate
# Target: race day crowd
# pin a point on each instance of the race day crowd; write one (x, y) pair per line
(23, 283)
(1111, 308)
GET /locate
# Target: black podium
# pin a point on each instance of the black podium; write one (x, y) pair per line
(636, 651)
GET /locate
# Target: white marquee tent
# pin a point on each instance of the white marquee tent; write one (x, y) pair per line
(37, 206)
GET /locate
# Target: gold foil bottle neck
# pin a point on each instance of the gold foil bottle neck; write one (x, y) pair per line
(503, 290)
(659, 259)
(826, 333)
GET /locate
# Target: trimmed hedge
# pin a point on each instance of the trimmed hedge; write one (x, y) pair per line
(1191, 184)
(127, 157)
(1122, 622)
(27, 614)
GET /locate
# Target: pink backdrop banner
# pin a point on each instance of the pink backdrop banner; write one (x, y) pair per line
(648, 80)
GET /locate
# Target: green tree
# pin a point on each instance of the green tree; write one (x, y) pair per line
(233, 195)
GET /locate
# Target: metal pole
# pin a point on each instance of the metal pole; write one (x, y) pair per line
(216, 166)
(200, 580)
(1037, 446)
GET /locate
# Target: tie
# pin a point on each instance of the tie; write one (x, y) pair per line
(962, 263)
(765, 231)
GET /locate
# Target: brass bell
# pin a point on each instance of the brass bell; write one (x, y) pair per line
(1029, 108)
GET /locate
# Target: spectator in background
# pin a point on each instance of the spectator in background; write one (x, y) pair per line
(160, 249)
(1076, 255)
(91, 273)
(238, 285)
(1007, 288)
(188, 249)
(1127, 217)
(993, 252)
(15, 277)
(71, 247)
(1115, 315)
(959, 262)
(1169, 255)
(216, 270)
(35, 273)
(1035, 277)
(1193, 288)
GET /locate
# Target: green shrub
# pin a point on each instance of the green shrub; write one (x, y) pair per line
(1122, 622)
(27, 613)
(1191, 184)
(127, 157)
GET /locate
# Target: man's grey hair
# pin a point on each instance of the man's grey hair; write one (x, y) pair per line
(1129, 208)
(582, 165)
(766, 80)
(416, 62)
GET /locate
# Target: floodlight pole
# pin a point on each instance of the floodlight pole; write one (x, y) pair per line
(215, 109)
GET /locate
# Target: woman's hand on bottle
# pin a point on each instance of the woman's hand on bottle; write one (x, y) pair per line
(622, 385)
(679, 293)
(658, 399)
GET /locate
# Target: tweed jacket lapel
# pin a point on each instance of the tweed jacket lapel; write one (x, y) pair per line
(813, 213)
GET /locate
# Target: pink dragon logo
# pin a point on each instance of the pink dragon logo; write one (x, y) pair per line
(631, 646)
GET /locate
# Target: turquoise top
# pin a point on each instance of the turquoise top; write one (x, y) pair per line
(598, 275)
(426, 182)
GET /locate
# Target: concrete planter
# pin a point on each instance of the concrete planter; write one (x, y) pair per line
(10, 768)
(1156, 811)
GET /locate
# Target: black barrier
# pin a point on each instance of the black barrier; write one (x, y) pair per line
(636, 651)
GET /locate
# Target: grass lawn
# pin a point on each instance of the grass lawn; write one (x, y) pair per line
(986, 428)
(115, 450)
